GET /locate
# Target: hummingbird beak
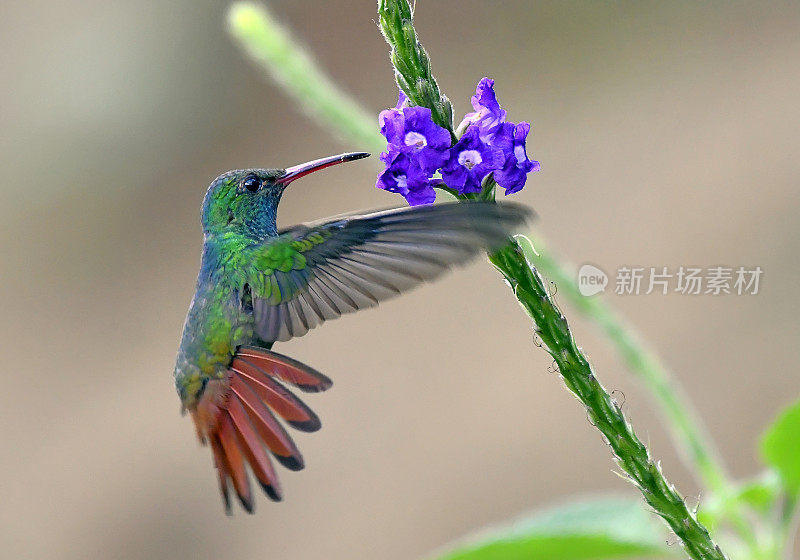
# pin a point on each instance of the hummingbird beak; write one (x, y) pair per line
(297, 171)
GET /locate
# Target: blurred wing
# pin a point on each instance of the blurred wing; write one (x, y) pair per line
(314, 273)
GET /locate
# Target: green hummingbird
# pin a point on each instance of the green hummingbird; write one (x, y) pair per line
(259, 285)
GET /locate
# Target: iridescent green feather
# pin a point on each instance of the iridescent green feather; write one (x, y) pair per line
(310, 274)
(278, 267)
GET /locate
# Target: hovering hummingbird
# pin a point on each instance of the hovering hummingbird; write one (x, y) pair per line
(258, 285)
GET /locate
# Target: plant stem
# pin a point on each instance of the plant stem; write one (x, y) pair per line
(273, 47)
(630, 453)
(683, 422)
(685, 427)
(787, 525)
(414, 76)
(413, 73)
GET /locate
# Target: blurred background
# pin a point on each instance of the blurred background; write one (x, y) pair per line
(668, 136)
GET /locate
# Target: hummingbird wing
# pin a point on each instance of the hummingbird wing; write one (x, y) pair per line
(313, 273)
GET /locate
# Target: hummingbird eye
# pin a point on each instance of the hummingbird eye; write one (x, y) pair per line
(251, 183)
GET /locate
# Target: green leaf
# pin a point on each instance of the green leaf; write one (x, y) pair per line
(760, 493)
(587, 530)
(757, 493)
(780, 447)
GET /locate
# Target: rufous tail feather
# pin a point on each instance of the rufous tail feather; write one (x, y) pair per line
(235, 416)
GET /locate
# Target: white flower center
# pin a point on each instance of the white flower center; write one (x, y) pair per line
(478, 115)
(402, 182)
(416, 139)
(519, 153)
(469, 158)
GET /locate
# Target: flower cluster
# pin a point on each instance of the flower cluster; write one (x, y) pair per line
(418, 148)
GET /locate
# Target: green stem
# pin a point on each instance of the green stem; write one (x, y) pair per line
(414, 76)
(683, 421)
(410, 62)
(786, 528)
(273, 47)
(579, 377)
(685, 427)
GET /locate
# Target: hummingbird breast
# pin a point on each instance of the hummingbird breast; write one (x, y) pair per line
(219, 320)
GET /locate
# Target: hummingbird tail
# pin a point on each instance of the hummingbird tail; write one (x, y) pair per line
(235, 415)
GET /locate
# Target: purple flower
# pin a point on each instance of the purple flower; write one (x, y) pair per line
(471, 159)
(391, 120)
(404, 176)
(488, 115)
(417, 148)
(412, 131)
(490, 122)
(510, 138)
(402, 100)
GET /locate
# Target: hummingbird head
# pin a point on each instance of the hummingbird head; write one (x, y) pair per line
(246, 200)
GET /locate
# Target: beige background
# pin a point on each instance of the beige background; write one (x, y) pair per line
(668, 136)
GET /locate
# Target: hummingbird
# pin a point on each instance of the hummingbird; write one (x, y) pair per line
(259, 285)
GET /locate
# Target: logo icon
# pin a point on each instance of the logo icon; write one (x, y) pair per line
(591, 280)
